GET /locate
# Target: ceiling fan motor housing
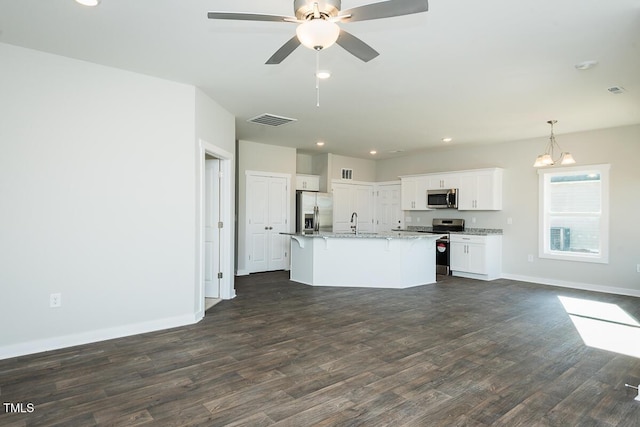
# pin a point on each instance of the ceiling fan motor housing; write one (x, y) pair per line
(304, 8)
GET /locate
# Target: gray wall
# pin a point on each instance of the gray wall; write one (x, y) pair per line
(619, 147)
(363, 169)
(98, 190)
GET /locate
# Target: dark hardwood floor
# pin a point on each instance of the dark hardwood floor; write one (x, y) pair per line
(461, 352)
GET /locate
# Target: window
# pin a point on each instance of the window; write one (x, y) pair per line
(574, 213)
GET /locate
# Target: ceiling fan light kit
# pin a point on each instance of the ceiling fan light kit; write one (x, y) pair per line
(318, 34)
(547, 159)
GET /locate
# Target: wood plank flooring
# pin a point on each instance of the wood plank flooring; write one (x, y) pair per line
(461, 352)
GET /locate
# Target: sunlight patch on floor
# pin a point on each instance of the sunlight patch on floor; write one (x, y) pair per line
(604, 326)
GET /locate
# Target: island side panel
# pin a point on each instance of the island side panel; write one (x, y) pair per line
(302, 259)
(373, 262)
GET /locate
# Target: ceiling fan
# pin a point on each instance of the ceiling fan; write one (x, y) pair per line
(318, 27)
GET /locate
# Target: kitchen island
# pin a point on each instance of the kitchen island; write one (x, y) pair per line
(374, 260)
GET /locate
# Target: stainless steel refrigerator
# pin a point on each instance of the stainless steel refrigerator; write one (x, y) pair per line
(314, 212)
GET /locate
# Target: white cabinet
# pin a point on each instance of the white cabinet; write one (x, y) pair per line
(307, 182)
(440, 181)
(480, 190)
(350, 198)
(477, 257)
(414, 193)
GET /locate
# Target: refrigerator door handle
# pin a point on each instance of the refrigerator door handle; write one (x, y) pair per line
(316, 219)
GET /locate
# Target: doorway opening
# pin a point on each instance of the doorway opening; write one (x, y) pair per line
(214, 228)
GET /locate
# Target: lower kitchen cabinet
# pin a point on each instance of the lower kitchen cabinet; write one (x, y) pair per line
(476, 257)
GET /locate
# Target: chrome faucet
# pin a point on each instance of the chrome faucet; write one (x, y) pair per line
(355, 226)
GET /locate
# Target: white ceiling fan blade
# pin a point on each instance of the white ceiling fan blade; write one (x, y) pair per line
(385, 9)
(356, 47)
(245, 16)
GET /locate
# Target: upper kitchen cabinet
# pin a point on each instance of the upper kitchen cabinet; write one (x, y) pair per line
(480, 190)
(442, 181)
(307, 182)
(414, 192)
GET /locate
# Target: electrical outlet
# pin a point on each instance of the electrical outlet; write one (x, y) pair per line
(638, 268)
(407, 219)
(509, 220)
(55, 300)
(418, 219)
(530, 258)
(473, 220)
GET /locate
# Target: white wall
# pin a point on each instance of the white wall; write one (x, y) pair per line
(253, 156)
(98, 185)
(619, 147)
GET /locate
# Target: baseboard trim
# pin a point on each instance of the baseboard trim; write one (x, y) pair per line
(574, 285)
(56, 343)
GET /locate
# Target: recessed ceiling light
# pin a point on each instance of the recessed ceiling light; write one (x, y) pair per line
(447, 139)
(88, 2)
(616, 90)
(323, 74)
(585, 65)
(396, 151)
(320, 143)
(373, 152)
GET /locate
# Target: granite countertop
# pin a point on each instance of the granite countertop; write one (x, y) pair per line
(400, 234)
(467, 230)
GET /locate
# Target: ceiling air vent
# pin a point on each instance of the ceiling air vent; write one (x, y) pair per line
(271, 120)
(347, 173)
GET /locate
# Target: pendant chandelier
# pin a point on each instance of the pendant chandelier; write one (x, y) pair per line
(548, 158)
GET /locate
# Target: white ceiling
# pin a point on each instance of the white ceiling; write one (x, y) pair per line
(476, 71)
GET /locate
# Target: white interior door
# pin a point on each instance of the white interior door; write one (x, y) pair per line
(267, 216)
(257, 226)
(388, 207)
(278, 214)
(363, 206)
(212, 209)
(342, 208)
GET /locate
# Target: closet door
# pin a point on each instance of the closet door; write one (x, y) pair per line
(267, 217)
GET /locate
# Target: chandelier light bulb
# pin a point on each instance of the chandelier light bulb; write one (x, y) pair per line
(547, 159)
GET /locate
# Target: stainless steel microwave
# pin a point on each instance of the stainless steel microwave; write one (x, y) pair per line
(442, 199)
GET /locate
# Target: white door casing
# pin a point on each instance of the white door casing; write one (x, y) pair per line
(226, 233)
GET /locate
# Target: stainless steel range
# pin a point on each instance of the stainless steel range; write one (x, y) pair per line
(443, 226)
